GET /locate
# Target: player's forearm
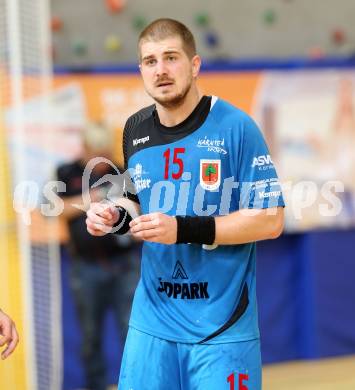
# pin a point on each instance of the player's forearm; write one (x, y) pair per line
(246, 226)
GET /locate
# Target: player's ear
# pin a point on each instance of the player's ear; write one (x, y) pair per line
(196, 65)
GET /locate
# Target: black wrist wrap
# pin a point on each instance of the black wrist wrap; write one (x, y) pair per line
(195, 230)
(123, 221)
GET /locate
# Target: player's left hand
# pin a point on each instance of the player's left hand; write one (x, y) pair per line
(8, 335)
(155, 227)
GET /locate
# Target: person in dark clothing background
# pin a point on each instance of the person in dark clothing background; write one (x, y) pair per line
(103, 270)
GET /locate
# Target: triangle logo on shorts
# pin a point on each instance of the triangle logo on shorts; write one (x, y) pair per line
(179, 272)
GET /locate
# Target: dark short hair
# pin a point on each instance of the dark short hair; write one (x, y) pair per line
(165, 28)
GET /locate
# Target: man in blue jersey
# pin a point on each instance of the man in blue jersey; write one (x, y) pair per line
(205, 191)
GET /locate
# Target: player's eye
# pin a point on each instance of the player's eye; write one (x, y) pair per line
(150, 61)
(171, 58)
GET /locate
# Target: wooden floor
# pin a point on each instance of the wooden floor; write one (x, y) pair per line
(325, 374)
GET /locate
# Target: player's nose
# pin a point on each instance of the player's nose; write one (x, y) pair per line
(161, 68)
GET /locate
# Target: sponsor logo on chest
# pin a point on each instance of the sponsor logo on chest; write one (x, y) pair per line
(212, 145)
(183, 290)
(210, 174)
(140, 182)
(263, 162)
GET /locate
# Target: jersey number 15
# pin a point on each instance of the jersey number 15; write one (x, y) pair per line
(176, 161)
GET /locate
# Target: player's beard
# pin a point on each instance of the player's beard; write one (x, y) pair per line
(174, 101)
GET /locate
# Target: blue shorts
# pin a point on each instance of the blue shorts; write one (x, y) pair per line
(151, 363)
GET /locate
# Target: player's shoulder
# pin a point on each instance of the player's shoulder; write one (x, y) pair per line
(139, 117)
(235, 119)
(137, 129)
(225, 111)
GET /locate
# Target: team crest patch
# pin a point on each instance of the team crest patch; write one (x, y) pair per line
(210, 174)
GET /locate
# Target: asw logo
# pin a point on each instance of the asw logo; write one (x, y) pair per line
(261, 161)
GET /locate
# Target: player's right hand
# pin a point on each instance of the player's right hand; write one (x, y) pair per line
(100, 218)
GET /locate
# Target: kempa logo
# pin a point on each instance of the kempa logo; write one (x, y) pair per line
(142, 141)
(261, 161)
(183, 290)
(271, 194)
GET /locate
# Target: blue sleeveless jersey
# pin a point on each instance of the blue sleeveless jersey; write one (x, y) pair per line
(187, 292)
